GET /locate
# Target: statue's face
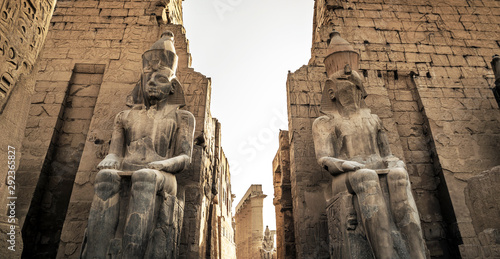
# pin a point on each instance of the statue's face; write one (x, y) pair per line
(347, 93)
(156, 84)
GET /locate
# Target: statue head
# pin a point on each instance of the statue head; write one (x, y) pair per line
(345, 89)
(159, 65)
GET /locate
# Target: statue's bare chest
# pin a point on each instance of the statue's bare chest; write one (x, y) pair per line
(356, 127)
(356, 136)
(145, 123)
(151, 133)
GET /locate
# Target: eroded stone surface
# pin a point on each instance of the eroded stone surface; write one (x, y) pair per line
(432, 92)
(150, 143)
(285, 236)
(114, 35)
(351, 144)
(482, 198)
(23, 28)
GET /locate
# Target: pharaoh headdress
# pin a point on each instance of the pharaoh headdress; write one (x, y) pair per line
(162, 56)
(342, 61)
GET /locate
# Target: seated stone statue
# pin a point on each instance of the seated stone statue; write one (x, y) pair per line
(150, 144)
(351, 144)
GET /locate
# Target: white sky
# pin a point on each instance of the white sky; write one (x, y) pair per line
(247, 47)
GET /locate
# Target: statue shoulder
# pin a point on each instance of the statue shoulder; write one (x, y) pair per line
(322, 123)
(376, 118)
(377, 122)
(122, 116)
(323, 120)
(187, 116)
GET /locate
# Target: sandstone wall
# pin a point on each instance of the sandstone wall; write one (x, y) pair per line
(73, 111)
(23, 28)
(285, 236)
(427, 73)
(106, 38)
(483, 198)
(227, 248)
(221, 217)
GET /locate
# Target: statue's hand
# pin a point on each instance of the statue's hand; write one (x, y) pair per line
(394, 162)
(351, 166)
(165, 165)
(111, 161)
(172, 165)
(157, 165)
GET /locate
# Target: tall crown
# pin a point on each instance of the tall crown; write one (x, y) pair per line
(162, 55)
(340, 53)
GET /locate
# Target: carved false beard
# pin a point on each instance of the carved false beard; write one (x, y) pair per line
(154, 100)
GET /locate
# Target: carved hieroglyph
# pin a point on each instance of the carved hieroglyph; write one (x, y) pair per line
(23, 27)
(351, 144)
(151, 143)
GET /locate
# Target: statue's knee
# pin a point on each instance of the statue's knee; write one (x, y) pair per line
(144, 175)
(364, 180)
(107, 183)
(170, 184)
(398, 176)
(365, 175)
(107, 175)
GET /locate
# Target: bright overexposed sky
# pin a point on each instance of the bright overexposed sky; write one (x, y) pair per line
(247, 47)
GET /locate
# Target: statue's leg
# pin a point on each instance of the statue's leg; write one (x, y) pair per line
(404, 211)
(146, 183)
(103, 217)
(169, 184)
(162, 242)
(373, 212)
(339, 185)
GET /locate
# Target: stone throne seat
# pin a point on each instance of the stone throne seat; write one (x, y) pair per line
(167, 228)
(347, 236)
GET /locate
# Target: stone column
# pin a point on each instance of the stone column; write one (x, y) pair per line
(249, 223)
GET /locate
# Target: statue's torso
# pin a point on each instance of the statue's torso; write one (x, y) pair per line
(149, 136)
(356, 138)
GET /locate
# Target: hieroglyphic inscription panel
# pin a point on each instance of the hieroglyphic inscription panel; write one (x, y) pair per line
(23, 27)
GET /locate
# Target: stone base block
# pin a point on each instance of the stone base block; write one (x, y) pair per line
(165, 238)
(346, 233)
(347, 238)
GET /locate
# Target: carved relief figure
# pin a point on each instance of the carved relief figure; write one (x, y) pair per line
(351, 144)
(150, 143)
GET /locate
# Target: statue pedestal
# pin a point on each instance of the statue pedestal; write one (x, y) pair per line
(346, 233)
(347, 237)
(165, 236)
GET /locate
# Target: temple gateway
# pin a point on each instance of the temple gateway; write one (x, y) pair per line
(111, 150)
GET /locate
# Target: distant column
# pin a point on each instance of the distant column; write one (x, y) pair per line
(249, 223)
